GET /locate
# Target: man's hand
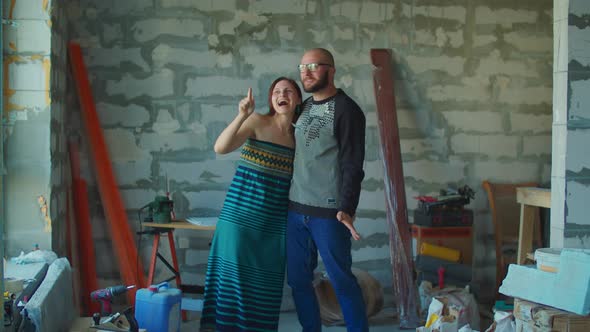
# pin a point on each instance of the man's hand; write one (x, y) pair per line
(347, 220)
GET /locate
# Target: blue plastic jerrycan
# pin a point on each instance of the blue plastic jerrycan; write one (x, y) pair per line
(157, 308)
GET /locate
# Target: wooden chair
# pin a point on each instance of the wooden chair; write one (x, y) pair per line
(506, 220)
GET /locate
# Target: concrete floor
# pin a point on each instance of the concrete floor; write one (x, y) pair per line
(384, 321)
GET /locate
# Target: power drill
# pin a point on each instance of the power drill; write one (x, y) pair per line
(105, 296)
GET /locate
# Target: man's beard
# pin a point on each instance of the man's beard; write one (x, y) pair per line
(317, 86)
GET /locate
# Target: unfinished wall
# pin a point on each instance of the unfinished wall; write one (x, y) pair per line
(473, 86)
(27, 110)
(570, 226)
(60, 92)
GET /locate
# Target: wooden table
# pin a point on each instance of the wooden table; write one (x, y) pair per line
(180, 224)
(530, 200)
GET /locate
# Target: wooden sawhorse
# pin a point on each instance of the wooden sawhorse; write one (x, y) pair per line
(157, 230)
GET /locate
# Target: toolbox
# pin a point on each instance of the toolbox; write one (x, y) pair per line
(444, 217)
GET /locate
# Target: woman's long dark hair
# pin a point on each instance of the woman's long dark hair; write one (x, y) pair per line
(297, 89)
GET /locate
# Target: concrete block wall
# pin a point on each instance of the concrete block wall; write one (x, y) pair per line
(61, 91)
(473, 86)
(27, 114)
(570, 226)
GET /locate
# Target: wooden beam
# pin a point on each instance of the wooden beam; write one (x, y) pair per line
(129, 264)
(400, 239)
(534, 196)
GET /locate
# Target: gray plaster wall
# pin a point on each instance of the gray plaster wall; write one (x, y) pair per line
(577, 224)
(473, 86)
(27, 113)
(61, 90)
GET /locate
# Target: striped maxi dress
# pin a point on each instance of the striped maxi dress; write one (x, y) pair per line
(245, 272)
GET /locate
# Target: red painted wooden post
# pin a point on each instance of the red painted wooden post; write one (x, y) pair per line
(395, 193)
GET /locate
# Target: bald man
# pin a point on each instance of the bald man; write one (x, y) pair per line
(324, 194)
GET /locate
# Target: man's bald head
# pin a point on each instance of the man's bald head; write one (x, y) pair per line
(323, 54)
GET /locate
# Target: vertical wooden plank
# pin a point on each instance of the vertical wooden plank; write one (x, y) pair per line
(395, 195)
(525, 233)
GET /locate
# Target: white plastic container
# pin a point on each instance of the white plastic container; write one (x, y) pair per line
(548, 259)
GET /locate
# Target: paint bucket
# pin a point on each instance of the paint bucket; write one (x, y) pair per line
(157, 308)
(330, 311)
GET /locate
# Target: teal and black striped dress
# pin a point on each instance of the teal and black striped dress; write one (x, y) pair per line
(244, 283)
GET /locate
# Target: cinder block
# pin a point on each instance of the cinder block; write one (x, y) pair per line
(23, 100)
(232, 87)
(282, 63)
(137, 198)
(28, 72)
(371, 252)
(499, 171)
(372, 200)
(435, 172)
(577, 202)
(451, 65)
(123, 147)
(504, 16)
(30, 36)
(536, 146)
(577, 158)
(194, 257)
(558, 150)
(526, 42)
(164, 55)
(348, 9)
(578, 7)
(150, 29)
(296, 7)
(160, 84)
(132, 116)
(217, 5)
(560, 97)
(478, 121)
(457, 13)
(526, 95)
(209, 171)
(26, 9)
(131, 172)
(374, 12)
(194, 140)
(210, 199)
(114, 57)
(579, 103)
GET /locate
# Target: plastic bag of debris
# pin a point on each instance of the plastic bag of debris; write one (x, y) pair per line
(35, 256)
(443, 318)
(460, 300)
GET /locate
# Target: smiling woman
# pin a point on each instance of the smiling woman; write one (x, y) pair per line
(244, 284)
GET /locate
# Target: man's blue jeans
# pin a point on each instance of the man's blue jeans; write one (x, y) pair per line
(305, 237)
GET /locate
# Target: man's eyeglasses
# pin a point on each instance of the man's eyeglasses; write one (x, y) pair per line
(312, 66)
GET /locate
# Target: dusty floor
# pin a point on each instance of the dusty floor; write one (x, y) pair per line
(384, 321)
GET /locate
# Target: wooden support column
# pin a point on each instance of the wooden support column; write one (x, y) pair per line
(395, 194)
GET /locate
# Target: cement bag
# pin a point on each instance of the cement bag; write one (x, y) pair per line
(330, 311)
